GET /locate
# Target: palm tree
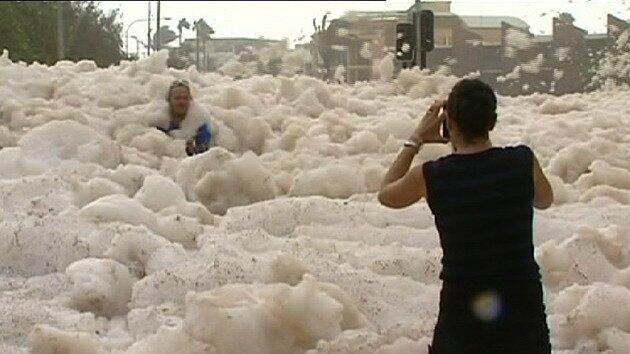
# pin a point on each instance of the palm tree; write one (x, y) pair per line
(324, 20)
(180, 27)
(321, 41)
(203, 31)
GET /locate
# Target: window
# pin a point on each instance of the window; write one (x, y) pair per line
(444, 36)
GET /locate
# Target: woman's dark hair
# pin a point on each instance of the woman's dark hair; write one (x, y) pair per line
(472, 105)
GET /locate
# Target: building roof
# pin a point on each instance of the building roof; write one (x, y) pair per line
(402, 16)
(376, 15)
(244, 39)
(493, 21)
(239, 39)
(470, 21)
(596, 36)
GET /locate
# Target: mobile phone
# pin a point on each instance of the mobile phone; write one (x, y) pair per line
(445, 133)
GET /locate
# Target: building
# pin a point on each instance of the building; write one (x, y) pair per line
(376, 30)
(219, 51)
(239, 44)
(500, 48)
(489, 28)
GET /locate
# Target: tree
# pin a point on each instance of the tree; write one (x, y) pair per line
(321, 42)
(274, 66)
(177, 59)
(21, 25)
(94, 35)
(180, 27)
(203, 32)
(29, 31)
(165, 34)
(566, 18)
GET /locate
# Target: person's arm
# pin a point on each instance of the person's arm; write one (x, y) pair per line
(543, 194)
(402, 187)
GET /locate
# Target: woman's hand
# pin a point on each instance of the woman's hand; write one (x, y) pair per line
(428, 131)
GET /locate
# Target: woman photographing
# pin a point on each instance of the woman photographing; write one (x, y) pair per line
(482, 198)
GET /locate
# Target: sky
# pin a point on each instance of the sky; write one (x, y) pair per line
(293, 19)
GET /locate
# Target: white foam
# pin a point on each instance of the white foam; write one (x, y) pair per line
(304, 314)
(69, 140)
(277, 225)
(158, 193)
(48, 340)
(101, 286)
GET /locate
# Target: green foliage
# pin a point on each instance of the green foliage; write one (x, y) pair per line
(29, 30)
(204, 30)
(178, 58)
(166, 36)
(566, 18)
(321, 42)
(274, 66)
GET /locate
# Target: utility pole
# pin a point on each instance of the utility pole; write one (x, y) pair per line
(423, 59)
(205, 55)
(197, 43)
(423, 23)
(149, 31)
(158, 34)
(60, 32)
(415, 39)
(417, 58)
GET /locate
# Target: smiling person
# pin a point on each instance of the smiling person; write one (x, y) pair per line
(187, 121)
(482, 198)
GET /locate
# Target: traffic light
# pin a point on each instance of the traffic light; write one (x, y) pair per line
(405, 41)
(426, 31)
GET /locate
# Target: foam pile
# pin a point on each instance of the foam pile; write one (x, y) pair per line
(114, 242)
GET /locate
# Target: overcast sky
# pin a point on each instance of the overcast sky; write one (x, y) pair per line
(292, 19)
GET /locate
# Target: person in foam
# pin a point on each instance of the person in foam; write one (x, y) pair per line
(186, 122)
(482, 198)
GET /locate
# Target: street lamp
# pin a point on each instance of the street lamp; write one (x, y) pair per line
(136, 21)
(137, 46)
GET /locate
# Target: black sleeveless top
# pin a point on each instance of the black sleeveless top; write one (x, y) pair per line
(483, 208)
